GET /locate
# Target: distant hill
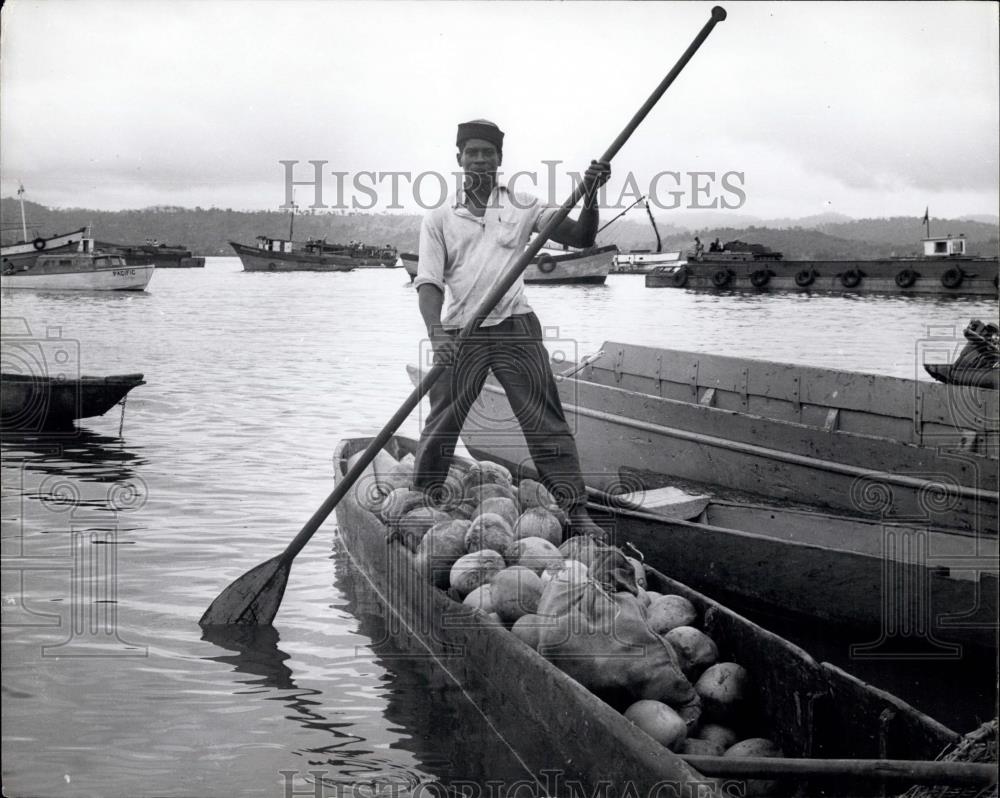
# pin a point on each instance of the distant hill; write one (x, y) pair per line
(208, 231)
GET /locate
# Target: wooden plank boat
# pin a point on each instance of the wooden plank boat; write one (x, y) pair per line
(32, 402)
(952, 374)
(82, 269)
(582, 266)
(632, 440)
(811, 709)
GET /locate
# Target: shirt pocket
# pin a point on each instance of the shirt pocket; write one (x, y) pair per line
(508, 231)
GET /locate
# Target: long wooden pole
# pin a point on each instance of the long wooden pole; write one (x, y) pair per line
(254, 598)
(957, 774)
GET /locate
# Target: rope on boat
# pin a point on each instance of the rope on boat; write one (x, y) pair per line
(121, 421)
(976, 746)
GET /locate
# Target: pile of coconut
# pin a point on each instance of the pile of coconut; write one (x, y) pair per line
(499, 548)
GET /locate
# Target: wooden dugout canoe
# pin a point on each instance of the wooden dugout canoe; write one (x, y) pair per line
(32, 402)
(811, 709)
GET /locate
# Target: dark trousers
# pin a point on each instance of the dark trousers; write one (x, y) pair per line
(514, 352)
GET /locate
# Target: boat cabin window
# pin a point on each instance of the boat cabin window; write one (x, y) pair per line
(941, 247)
(65, 262)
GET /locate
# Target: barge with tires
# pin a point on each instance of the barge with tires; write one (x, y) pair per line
(944, 269)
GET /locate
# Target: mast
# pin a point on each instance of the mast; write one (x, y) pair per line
(652, 221)
(24, 226)
(291, 220)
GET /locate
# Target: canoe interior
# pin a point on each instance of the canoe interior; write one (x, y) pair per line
(809, 708)
(887, 407)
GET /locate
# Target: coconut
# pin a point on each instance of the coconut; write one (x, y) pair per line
(537, 522)
(486, 473)
(528, 628)
(398, 503)
(534, 494)
(535, 553)
(448, 494)
(695, 649)
(475, 569)
(481, 598)
(669, 612)
(516, 591)
(719, 735)
(438, 550)
(477, 494)
(489, 531)
(659, 721)
(399, 476)
(756, 747)
(580, 547)
(569, 570)
(724, 689)
(640, 572)
(502, 506)
(415, 524)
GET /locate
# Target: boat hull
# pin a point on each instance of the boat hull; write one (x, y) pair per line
(159, 256)
(259, 260)
(33, 403)
(643, 262)
(586, 267)
(628, 441)
(978, 277)
(117, 278)
(811, 709)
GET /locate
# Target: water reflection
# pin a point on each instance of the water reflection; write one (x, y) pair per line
(86, 455)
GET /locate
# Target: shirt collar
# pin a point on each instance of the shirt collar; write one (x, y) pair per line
(460, 196)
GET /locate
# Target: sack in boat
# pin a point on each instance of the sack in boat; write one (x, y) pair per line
(601, 639)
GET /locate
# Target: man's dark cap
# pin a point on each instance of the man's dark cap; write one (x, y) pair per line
(479, 129)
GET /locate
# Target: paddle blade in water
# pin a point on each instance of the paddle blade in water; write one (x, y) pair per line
(254, 598)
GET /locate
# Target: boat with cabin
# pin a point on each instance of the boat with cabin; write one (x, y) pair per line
(82, 268)
(813, 710)
(945, 268)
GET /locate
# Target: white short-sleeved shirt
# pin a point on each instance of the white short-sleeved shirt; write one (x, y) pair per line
(465, 256)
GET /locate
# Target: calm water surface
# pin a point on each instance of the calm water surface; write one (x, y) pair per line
(252, 380)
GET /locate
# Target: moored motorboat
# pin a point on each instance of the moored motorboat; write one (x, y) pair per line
(579, 266)
(944, 269)
(82, 269)
(35, 402)
(25, 253)
(640, 261)
(811, 709)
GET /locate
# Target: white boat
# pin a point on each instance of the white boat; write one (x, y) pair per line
(29, 251)
(79, 270)
(642, 261)
(556, 266)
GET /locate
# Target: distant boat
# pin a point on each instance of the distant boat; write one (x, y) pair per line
(641, 261)
(944, 268)
(162, 256)
(578, 266)
(33, 403)
(408, 260)
(82, 269)
(27, 252)
(280, 255)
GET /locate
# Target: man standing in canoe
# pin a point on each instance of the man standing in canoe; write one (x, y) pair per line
(465, 247)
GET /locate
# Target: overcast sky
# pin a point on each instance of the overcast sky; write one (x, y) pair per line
(866, 109)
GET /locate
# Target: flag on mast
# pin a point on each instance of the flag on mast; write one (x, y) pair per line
(927, 214)
(20, 189)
